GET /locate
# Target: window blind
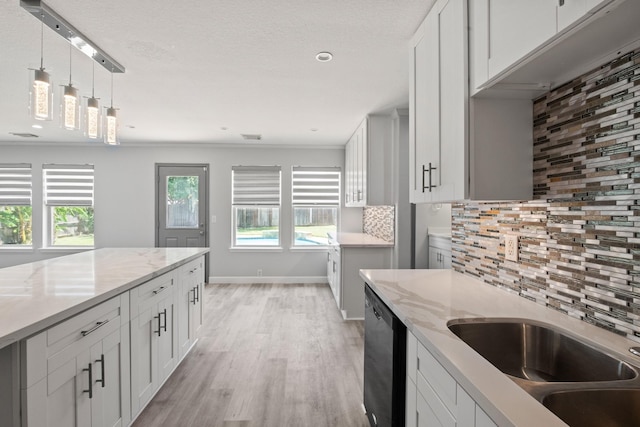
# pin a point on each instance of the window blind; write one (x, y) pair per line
(256, 185)
(315, 186)
(68, 185)
(15, 184)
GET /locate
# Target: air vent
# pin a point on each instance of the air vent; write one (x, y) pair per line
(252, 137)
(24, 135)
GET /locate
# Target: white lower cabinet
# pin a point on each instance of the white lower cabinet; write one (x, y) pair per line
(439, 252)
(433, 397)
(190, 295)
(343, 274)
(77, 372)
(333, 272)
(154, 347)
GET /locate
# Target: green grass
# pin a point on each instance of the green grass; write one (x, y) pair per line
(79, 240)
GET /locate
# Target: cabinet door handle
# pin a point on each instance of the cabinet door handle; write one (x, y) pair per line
(431, 168)
(98, 325)
(560, 3)
(101, 361)
(90, 391)
(193, 301)
(197, 293)
(334, 266)
(164, 313)
(159, 327)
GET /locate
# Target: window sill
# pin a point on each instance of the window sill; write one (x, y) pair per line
(17, 249)
(256, 249)
(318, 248)
(71, 249)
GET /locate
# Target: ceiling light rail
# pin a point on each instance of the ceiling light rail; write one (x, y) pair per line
(63, 28)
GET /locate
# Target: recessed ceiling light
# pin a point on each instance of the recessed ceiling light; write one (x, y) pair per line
(131, 126)
(36, 126)
(313, 130)
(254, 137)
(224, 128)
(324, 56)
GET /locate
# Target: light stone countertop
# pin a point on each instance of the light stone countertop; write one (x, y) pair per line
(425, 300)
(360, 240)
(37, 295)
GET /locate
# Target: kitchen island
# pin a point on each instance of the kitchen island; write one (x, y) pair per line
(426, 300)
(64, 320)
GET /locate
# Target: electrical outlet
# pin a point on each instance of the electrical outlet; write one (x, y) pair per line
(259, 272)
(511, 247)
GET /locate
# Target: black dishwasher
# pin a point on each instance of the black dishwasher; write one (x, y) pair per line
(384, 363)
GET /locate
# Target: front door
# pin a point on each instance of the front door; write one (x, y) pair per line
(182, 205)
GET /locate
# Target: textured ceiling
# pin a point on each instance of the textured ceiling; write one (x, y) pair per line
(208, 71)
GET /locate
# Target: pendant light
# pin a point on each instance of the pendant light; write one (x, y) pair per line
(111, 122)
(93, 116)
(70, 103)
(41, 93)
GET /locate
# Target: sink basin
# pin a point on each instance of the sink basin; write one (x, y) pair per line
(538, 353)
(596, 408)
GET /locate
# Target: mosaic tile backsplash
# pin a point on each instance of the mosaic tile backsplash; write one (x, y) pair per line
(379, 221)
(579, 239)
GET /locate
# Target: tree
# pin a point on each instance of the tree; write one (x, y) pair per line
(15, 224)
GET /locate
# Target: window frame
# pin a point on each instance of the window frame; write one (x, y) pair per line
(307, 198)
(16, 189)
(82, 194)
(243, 197)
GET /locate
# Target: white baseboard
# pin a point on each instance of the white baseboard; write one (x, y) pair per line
(268, 279)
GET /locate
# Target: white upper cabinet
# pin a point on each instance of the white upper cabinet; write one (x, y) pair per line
(367, 160)
(517, 27)
(461, 149)
(438, 104)
(571, 11)
(525, 47)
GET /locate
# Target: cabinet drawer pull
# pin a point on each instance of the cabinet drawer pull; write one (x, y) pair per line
(160, 289)
(159, 326)
(98, 325)
(90, 391)
(101, 361)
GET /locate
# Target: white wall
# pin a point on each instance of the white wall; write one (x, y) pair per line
(125, 199)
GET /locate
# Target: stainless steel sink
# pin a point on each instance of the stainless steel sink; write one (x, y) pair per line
(580, 383)
(596, 408)
(535, 352)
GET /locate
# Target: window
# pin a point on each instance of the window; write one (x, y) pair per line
(256, 206)
(315, 199)
(15, 204)
(68, 200)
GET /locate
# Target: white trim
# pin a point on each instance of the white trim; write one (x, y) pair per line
(267, 279)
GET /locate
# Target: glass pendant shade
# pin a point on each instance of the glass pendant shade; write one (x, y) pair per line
(93, 119)
(41, 99)
(70, 108)
(111, 127)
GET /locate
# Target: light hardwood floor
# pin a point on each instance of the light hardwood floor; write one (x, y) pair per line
(269, 355)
